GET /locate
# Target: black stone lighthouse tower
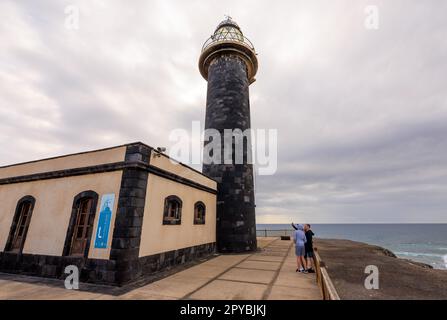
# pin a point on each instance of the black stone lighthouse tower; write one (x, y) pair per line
(228, 62)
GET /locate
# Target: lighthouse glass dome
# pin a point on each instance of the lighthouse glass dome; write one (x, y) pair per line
(228, 31)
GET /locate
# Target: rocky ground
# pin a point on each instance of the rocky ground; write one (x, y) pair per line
(398, 278)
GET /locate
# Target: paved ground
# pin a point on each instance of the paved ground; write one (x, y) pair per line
(398, 278)
(267, 274)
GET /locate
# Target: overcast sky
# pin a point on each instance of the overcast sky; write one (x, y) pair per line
(361, 114)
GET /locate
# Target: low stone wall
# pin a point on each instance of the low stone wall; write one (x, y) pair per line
(166, 260)
(90, 270)
(101, 271)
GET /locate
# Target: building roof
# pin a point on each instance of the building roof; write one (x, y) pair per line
(10, 166)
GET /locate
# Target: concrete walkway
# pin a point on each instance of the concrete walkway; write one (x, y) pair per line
(267, 274)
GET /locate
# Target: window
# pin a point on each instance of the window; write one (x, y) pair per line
(173, 210)
(199, 213)
(77, 242)
(20, 224)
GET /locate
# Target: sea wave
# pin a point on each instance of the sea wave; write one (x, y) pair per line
(438, 261)
(420, 254)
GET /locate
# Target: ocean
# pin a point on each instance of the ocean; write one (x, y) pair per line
(425, 243)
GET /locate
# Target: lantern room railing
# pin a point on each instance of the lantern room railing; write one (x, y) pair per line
(229, 36)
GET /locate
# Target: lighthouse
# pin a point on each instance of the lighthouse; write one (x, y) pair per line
(228, 62)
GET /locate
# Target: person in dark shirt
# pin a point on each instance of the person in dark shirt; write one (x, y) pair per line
(308, 247)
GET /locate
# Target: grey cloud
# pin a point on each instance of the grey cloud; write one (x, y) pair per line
(360, 114)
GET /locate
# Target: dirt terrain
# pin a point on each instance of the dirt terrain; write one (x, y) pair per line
(398, 278)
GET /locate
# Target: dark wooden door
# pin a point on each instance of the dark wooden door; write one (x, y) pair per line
(22, 225)
(83, 227)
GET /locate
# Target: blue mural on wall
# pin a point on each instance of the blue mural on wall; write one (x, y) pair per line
(105, 218)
